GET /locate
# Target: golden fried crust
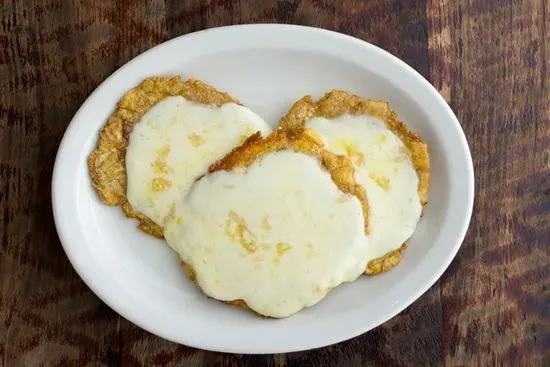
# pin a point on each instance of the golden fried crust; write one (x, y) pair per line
(386, 262)
(299, 140)
(337, 103)
(107, 162)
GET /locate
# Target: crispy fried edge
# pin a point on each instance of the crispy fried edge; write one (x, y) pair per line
(107, 162)
(300, 140)
(337, 103)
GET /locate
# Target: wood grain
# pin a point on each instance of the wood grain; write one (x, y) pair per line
(488, 58)
(492, 64)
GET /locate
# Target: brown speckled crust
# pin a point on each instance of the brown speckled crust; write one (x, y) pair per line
(336, 103)
(299, 140)
(386, 262)
(106, 163)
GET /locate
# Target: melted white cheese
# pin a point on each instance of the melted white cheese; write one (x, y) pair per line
(174, 143)
(279, 235)
(383, 167)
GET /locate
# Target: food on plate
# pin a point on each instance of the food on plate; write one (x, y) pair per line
(391, 163)
(270, 221)
(163, 135)
(274, 225)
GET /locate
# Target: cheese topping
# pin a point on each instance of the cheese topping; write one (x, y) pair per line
(278, 235)
(174, 143)
(383, 167)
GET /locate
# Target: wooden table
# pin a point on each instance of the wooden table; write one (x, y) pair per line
(488, 58)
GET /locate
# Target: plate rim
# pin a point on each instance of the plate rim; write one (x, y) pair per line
(95, 285)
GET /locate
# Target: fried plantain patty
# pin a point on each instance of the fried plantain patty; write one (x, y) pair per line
(107, 162)
(337, 103)
(339, 167)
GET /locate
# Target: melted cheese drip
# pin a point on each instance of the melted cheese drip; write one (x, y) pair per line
(278, 236)
(383, 167)
(174, 143)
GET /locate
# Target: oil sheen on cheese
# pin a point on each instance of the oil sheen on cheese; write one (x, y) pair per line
(383, 167)
(174, 143)
(278, 235)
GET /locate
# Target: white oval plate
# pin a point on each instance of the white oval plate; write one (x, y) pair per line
(267, 67)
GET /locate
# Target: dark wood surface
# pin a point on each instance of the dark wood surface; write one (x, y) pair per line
(489, 59)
